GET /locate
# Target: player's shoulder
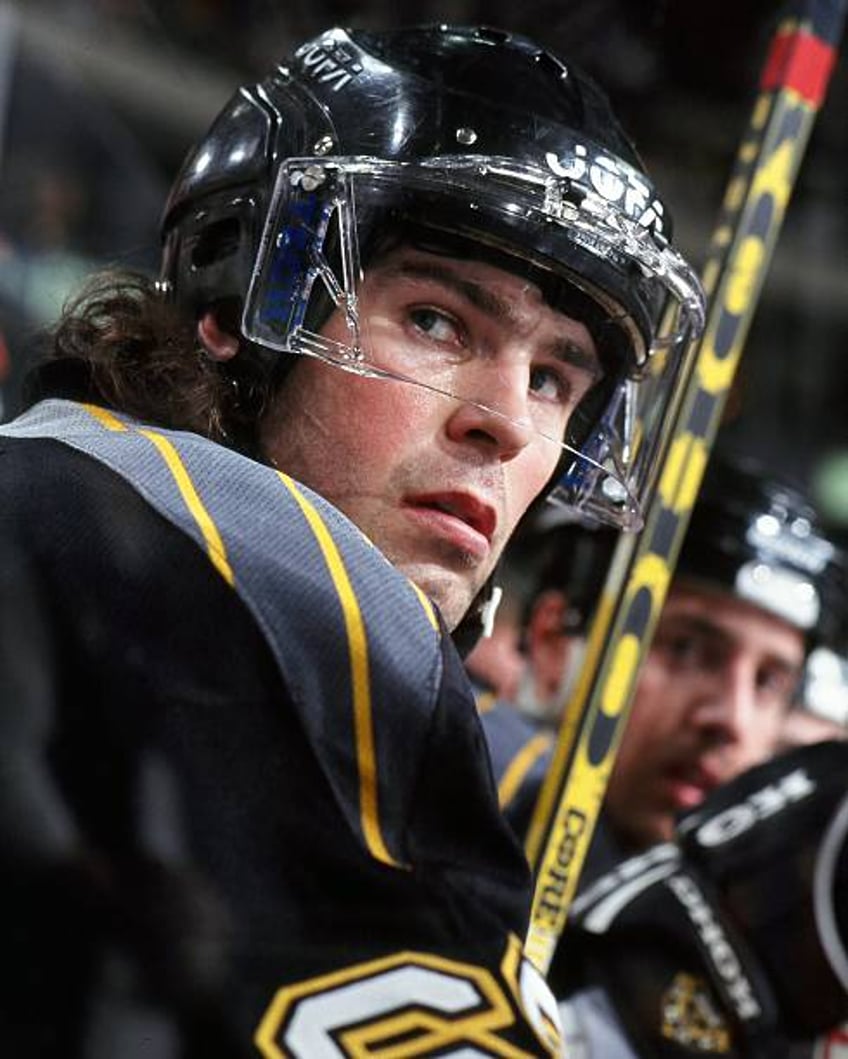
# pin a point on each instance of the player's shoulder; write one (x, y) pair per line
(508, 733)
(39, 477)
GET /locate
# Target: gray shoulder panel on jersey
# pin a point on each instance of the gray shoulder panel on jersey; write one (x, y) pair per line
(351, 635)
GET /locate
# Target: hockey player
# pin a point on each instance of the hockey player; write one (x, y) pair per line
(755, 881)
(411, 281)
(758, 586)
(760, 583)
(683, 948)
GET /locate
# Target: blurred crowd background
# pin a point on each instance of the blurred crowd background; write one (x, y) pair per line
(99, 100)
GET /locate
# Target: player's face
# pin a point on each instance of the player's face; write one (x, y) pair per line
(710, 702)
(438, 483)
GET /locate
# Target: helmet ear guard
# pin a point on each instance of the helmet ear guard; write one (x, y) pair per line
(209, 256)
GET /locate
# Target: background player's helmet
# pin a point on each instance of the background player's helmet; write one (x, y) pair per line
(761, 538)
(467, 141)
(750, 533)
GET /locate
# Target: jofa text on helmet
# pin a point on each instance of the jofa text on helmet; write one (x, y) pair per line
(614, 181)
(329, 63)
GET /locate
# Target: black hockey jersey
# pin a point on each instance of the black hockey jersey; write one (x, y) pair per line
(245, 807)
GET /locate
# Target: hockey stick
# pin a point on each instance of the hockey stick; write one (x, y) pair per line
(791, 89)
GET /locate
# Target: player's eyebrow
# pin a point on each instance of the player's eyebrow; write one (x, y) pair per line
(477, 294)
(692, 623)
(575, 353)
(499, 309)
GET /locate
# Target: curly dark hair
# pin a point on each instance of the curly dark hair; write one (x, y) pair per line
(144, 358)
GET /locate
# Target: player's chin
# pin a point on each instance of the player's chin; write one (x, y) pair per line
(649, 827)
(453, 589)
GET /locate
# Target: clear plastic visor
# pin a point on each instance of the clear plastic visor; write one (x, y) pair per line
(479, 282)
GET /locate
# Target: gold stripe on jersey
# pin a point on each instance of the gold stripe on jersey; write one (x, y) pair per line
(212, 538)
(360, 677)
(485, 701)
(516, 771)
(105, 417)
(429, 610)
(427, 605)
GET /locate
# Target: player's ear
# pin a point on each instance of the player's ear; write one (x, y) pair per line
(219, 343)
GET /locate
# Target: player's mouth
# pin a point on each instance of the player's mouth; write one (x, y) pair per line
(688, 785)
(460, 517)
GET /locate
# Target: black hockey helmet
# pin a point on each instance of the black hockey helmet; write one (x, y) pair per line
(750, 533)
(451, 136)
(552, 551)
(760, 537)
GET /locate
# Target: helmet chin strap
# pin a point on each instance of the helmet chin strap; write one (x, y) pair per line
(478, 621)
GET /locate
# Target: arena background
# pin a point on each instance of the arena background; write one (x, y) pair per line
(100, 98)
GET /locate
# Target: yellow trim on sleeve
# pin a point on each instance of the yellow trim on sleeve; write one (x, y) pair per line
(427, 605)
(212, 538)
(485, 701)
(360, 677)
(105, 417)
(520, 765)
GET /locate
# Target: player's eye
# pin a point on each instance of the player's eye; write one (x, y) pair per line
(551, 384)
(436, 324)
(689, 650)
(777, 682)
